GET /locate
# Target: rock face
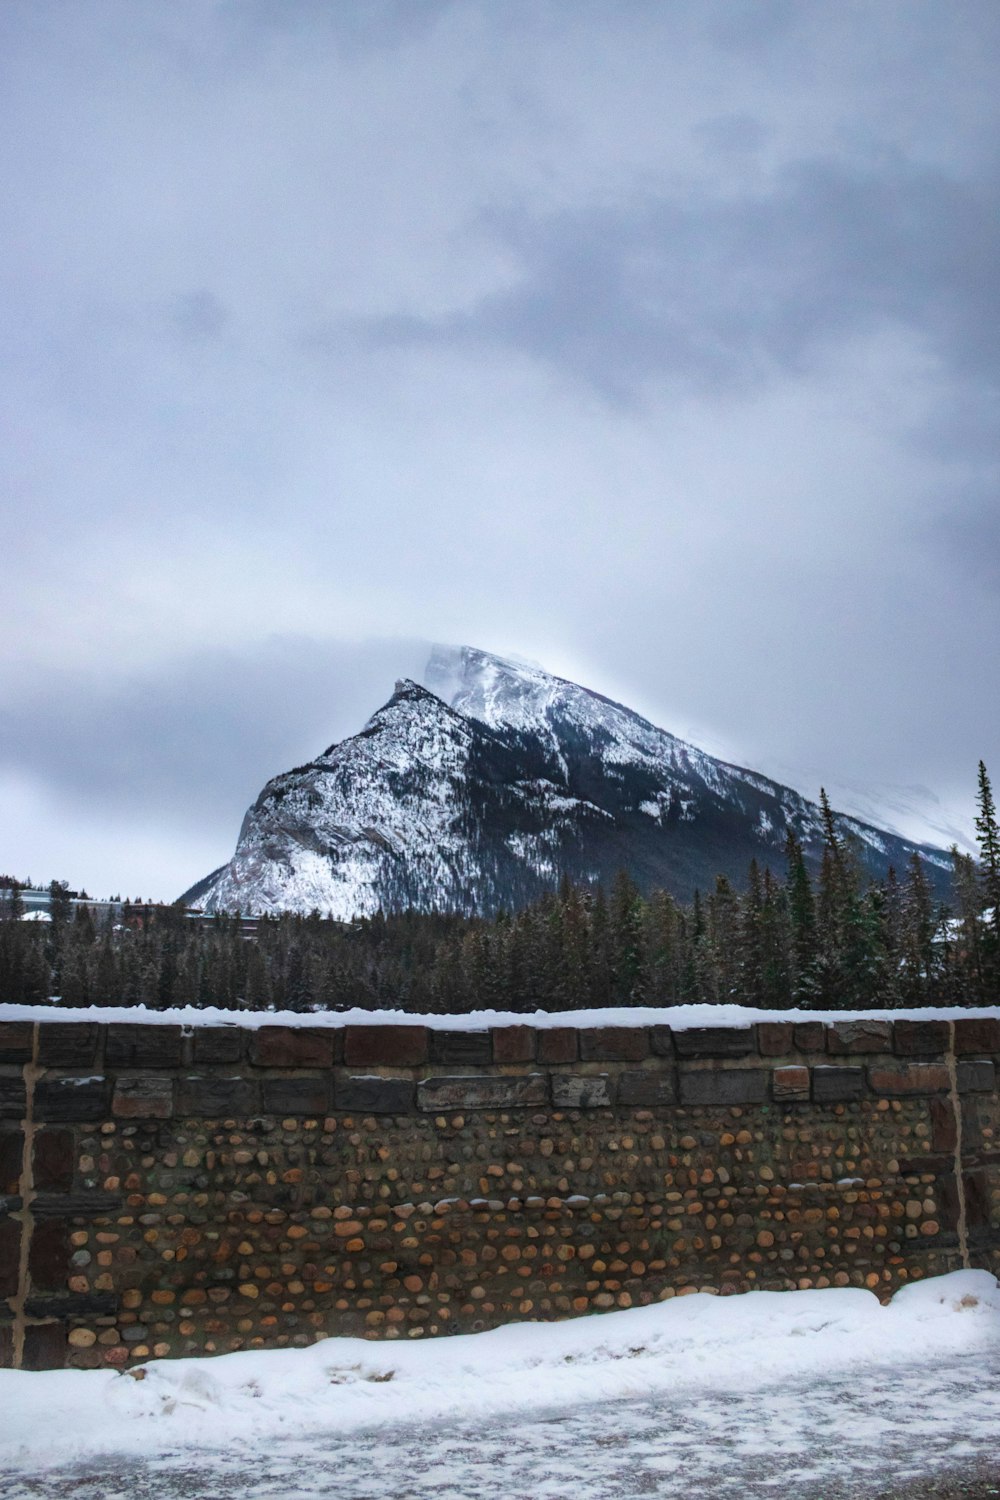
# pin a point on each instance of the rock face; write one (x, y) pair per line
(481, 789)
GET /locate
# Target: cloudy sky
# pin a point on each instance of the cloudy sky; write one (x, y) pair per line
(655, 340)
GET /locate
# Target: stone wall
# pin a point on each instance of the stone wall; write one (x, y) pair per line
(168, 1192)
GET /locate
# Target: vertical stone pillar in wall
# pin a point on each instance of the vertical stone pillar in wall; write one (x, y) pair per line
(11, 1156)
(16, 1044)
(49, 1086)
(977, 1042)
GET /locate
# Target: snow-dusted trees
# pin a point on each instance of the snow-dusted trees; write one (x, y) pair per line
(989, 874)
(792, 936)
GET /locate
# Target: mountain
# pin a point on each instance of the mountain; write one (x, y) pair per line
(481, 788)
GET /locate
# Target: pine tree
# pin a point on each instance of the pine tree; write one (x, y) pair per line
(574, 979)
(696, 962)
(969, 961)
(13, 945)
(149, 981)
(297, 993)
(847, 925)
(751, 951)
(60, 902)
(626, 941)
(73, 987)
(725, 923)
(107, 984)
(917, 962)
(661, 948)
(257, 991)
(803, 955)
(37, 979)
(889, 915)
(600, 963)
(775, 945)
(988, 834)
(11, 901)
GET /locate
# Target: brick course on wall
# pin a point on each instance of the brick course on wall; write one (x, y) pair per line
(171, 1192)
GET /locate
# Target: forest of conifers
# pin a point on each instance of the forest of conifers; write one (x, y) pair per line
(786, 939)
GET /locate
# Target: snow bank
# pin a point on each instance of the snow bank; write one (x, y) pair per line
(679, 1017)
(687, 1345)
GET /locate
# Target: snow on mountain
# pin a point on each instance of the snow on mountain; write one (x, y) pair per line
(481, 788)
(328, 834)
(510, 695)
(912, 812)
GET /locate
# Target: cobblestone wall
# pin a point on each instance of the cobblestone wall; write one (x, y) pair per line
(167, 1193)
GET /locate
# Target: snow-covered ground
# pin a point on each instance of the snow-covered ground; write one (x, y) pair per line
(679, 1017)
(862, 1436)
(695, 1396)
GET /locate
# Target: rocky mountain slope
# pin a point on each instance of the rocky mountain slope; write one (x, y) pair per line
(482, 788)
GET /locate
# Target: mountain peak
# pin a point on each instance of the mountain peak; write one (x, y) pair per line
(504, 693)
(408, 691)
(499, 691)
(484, 786)
(406, 688)
(410, 703)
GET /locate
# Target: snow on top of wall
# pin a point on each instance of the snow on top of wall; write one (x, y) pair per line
(678, 1017)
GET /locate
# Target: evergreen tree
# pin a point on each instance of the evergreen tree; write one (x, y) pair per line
(149, 981)
(599, 966)
(775, 945)
(107, 986)
(803, 951)
(574, 979)
(626, 941)
(969, 960)
(916, 956)
(751, 947)
(661, 949)
(696, 979)
(60, 903)
(847, 923)
(726, 932)
(36, 973)
(988, 834)
(11, 901)
(73, 987)
(888, 900)
(13, 944)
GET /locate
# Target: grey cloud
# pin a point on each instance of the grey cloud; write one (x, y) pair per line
(716, 296)
(193, 740)
(763, 233)
(969, 534)
(733, 135)
(751, 25)
(200, 315)
(362, 25)
(964, 427)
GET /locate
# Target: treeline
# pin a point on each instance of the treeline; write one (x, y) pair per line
(829, 941)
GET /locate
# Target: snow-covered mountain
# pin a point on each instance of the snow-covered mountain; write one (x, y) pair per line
(482, 787)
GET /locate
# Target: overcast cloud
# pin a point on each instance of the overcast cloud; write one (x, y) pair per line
(655, 341)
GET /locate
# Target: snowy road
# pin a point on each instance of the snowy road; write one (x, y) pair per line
(860, 1434)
